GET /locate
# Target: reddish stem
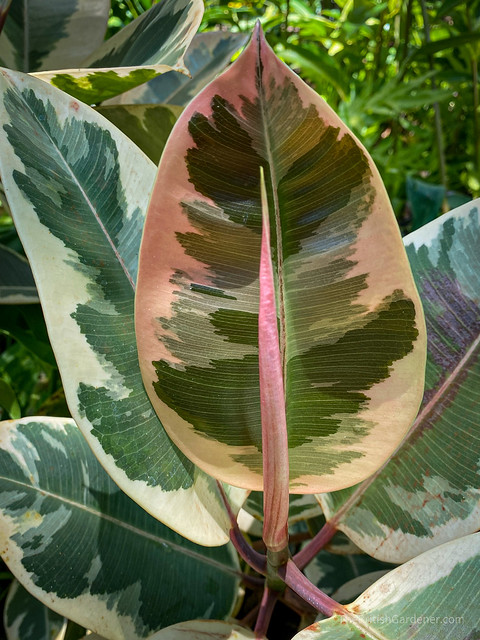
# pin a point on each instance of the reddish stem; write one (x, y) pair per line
(295, 579)
(323, 537)
(256, 560)
(267, 606)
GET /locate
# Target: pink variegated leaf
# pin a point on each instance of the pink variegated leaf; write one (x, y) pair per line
(349, 315)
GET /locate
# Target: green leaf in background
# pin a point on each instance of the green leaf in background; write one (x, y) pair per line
(8, 400)
(356, 586)
(301, 506)
(41, 35)
(351, 325)
(26, 618)
(147, 125)
(84, 548)
(208, 54)
(432, 596)
(78, 190)
(4, 7)
(445, 43)
(17, 285)
(429, 492)
(330, 571)
(425, 201)
(150, 45)
(317, 65)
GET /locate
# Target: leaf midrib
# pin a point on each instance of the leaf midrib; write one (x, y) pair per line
(125, 525)
(276, 205)
(80, 187)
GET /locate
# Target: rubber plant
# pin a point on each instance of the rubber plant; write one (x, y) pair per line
(282, 345)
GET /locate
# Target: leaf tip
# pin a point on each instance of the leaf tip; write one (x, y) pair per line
(258, 35)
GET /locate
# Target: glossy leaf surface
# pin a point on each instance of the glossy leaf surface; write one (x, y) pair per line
(208, 54)
(150, 45)
(26, 618)
(41, 35)
(83, 547)
(429, 492)
(432, 596)
(351, 327)
(78, 190)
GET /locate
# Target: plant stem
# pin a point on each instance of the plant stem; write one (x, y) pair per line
(267, 605)
(299, 583)
(256, 560)
(306, 555)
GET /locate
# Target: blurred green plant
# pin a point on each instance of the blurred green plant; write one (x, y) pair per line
(403, 75)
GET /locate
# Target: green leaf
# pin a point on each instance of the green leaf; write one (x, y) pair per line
(392, 98)
(83, 547)
(429, 492)
(8, 400)
(78, 190)
(330, 571)
(208, 54)
(150, 45)
(443, 44)
(317, 65)
(301, 507)
(351, 326)
(41, 35)
(425, 201)
(17, 285)
(148, 125)
(432, 596)
(26, 618)
(356, 586)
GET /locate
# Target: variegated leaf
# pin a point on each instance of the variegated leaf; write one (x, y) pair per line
(78, 190)
(356, 586)
(429, 492)
(41, 35)
(351, 326)
(301, 507)
(148, 125)
(432, 596)
(330, 571)
(201, 629)
(26, 618)
(150, 45)
(17, 285)
(208, 54)
(84, 548)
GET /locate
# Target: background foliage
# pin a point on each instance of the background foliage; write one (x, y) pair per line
(403, 75)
